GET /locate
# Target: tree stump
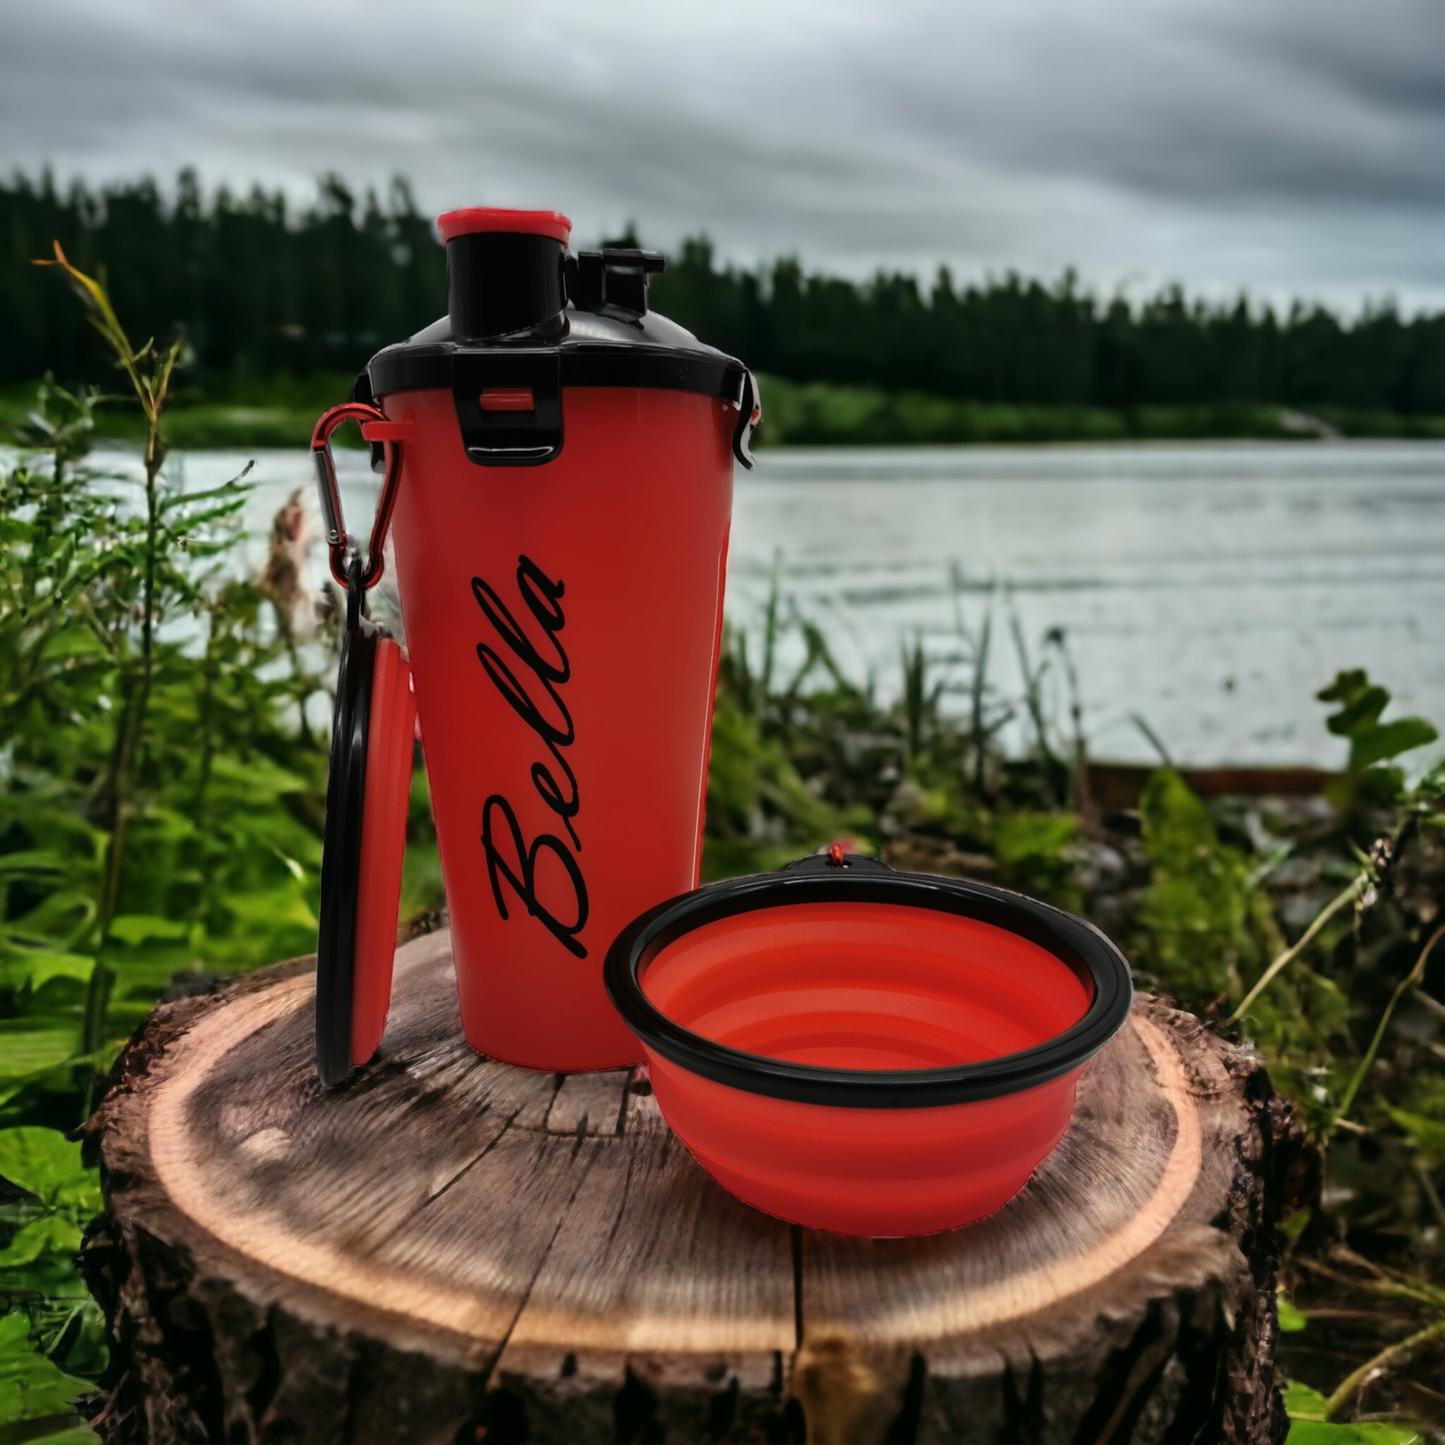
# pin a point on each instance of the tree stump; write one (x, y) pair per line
(452, 1249)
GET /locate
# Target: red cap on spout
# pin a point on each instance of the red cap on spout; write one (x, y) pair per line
(487, 218)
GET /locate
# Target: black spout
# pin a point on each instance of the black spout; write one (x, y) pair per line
(502, 281)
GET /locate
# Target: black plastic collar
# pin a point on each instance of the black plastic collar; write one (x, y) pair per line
(413, 367)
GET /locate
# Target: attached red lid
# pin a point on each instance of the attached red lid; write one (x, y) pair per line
(488, 218)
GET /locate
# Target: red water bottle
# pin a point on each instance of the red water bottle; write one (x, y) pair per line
(560, 465)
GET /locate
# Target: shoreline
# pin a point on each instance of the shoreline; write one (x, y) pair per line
(281, 413)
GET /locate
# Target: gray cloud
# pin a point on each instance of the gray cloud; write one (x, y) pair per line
(1291, 147)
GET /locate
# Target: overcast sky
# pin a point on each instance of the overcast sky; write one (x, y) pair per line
(1293, 147)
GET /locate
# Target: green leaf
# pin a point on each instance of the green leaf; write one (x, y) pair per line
(45, 1163)
(1359, 712)
(31, 1386)
(1428, 1134)
(232, 494)
(1307, 1409)
(51, 1234)
(1178, 830)
(1303, 1402)
(75, 1435)
(60, 918)
(37, 967)
(1317, 1432)
(1291, 1320)
(136, 928)
(1358, 719)
(26, 1051)
(1377, 787)
(1382, 741)
(274, 907)
(1431, 786)
(1345, 686)
(292, 866)
(31, 862)
(1033, 835)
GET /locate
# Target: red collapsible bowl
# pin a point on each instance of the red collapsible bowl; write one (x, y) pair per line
(867, 1051)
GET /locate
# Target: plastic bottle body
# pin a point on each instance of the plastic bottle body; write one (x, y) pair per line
(563, 623)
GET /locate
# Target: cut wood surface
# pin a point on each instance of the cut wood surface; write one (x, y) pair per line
(452, 1249)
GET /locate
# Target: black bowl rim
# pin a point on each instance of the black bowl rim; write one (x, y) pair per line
(1096, 961)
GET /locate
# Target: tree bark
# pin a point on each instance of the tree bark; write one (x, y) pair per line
(450, 1249)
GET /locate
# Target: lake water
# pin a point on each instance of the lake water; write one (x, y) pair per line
(1209, 589)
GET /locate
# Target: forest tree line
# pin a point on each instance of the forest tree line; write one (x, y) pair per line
(262, 289)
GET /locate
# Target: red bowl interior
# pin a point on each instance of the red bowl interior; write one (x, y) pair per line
(864, 986)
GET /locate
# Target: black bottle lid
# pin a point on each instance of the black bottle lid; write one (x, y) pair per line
(504, 270)
(525, 319)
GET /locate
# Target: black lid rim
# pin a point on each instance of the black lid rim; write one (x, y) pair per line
(1072, 940)
(429, 367)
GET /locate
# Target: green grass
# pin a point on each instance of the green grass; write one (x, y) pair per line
(161, 806)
